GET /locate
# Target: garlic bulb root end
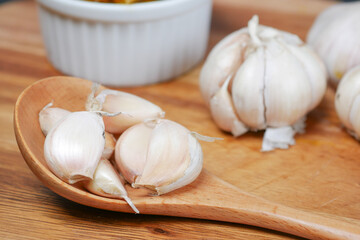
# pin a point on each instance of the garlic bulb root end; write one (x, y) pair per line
(278, 138)
(282, 137)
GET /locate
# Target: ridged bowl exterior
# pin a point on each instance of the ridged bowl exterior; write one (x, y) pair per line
(126, 53)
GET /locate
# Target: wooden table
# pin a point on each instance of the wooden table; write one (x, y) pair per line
(320, 174)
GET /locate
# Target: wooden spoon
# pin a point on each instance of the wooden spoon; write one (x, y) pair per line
(208, 197)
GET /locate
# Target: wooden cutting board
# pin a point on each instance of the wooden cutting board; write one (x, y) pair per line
(321, 173)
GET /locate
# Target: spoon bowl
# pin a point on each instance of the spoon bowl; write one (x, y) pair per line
(209, 197)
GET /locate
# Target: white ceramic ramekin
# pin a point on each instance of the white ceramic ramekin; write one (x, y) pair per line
(125, 45)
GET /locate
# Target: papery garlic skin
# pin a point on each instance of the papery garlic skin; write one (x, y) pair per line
(160, 155)
(49, 117)
(335, 36)
(275, 80)
(110, 142)
(74, 146)
(107, 182)
(137, 110)
(347, 101)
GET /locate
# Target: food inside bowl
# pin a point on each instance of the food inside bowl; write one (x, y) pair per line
(121, 1)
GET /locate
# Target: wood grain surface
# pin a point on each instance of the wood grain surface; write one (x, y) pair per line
(319, 174)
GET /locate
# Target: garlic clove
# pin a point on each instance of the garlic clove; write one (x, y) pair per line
(49, 116)
(168, 140)
(286, 101)
(74, 146)
(222, 62)
(137, 109)
(248, 95)
(170, 155)
(107, 183)
(131, 151)
(223, 112)
(192, 171)
(315, 71)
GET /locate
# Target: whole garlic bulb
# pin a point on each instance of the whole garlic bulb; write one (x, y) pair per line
(258, 78)
(160, 155)
(335, 36)
(347, 101)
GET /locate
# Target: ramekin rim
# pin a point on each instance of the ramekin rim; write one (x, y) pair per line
(121, 12)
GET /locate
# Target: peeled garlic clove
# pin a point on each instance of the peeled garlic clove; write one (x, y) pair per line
(223, 112)
(335, 36)
(347, 101)
(160, 155)
(107, 183)
(74, 146)
(137, 110)
(49, 116)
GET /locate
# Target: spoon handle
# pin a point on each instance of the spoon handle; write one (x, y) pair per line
(241, 207)
(216, 199)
